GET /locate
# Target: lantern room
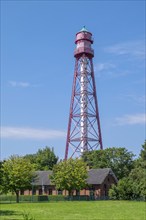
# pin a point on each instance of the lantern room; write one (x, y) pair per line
(83, 43)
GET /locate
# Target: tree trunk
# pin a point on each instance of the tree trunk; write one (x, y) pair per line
(70, 194)
(17, 196)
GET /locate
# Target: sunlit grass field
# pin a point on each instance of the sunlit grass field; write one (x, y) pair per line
(87, 210)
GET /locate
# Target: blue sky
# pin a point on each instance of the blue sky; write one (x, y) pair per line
(37, 65)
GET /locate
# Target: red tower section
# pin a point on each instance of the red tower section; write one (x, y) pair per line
(84, 133)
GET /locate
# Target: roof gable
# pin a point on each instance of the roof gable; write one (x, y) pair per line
(42, 178)
(97, 176)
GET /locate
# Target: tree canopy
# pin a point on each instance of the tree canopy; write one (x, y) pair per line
(1, 177)
(17, 175)
(134, 185)
(44, 159)
(142, 159)
(69, 175)
(120, 160)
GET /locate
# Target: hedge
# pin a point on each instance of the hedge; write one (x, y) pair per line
(46, 198)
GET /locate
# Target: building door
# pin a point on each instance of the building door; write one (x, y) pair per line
(40, 191)
(50, 191)
(105, 190)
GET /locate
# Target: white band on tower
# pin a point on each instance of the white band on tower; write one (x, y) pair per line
(83, 99)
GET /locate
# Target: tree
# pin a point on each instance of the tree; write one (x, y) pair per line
(134, 185)
(137, 178)
(44, 159)
(138, 174)
(120, 160)
(69, 175)
(1, 178)
(17, 175)
(123, 191)
(143, 156)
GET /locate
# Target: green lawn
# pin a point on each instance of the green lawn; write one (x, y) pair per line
(101, 210)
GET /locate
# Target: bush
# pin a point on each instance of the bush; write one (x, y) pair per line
(7, 198)
(42, 198)
(126, 190)
(56, 198)
(23, 198)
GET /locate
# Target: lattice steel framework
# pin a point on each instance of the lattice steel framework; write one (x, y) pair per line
(84, 132)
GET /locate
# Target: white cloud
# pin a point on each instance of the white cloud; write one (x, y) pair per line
(99, 67)
(138, 99)
(134, 48)
(109, 70)
(19, 84)
(30, 133)
(131, 119)
(22, 84)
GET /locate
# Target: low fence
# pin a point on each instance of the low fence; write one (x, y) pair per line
(47, 198)
(53, 198)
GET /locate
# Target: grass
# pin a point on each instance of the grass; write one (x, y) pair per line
(95, 210)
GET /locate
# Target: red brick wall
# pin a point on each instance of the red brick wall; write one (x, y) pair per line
(106, 185)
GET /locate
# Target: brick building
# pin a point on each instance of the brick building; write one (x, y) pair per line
(99, 182)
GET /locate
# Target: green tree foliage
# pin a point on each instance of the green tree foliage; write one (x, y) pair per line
(1, 177)
(142, 161)
(125, 190)
(44, 159)
(69, 175)
(17, 175)
(120, 160)
(134, 185)
(138, 174)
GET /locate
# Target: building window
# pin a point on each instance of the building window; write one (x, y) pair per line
(91, 193)
(45, 190)
(59, 192)
(34, 191)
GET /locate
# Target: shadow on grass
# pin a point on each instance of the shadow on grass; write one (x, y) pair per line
(8, 212)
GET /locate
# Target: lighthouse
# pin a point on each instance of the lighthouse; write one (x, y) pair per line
(84, 131)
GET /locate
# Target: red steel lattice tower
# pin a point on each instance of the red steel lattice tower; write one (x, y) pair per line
(84, 133)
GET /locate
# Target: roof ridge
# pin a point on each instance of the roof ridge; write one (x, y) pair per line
(100, 169)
